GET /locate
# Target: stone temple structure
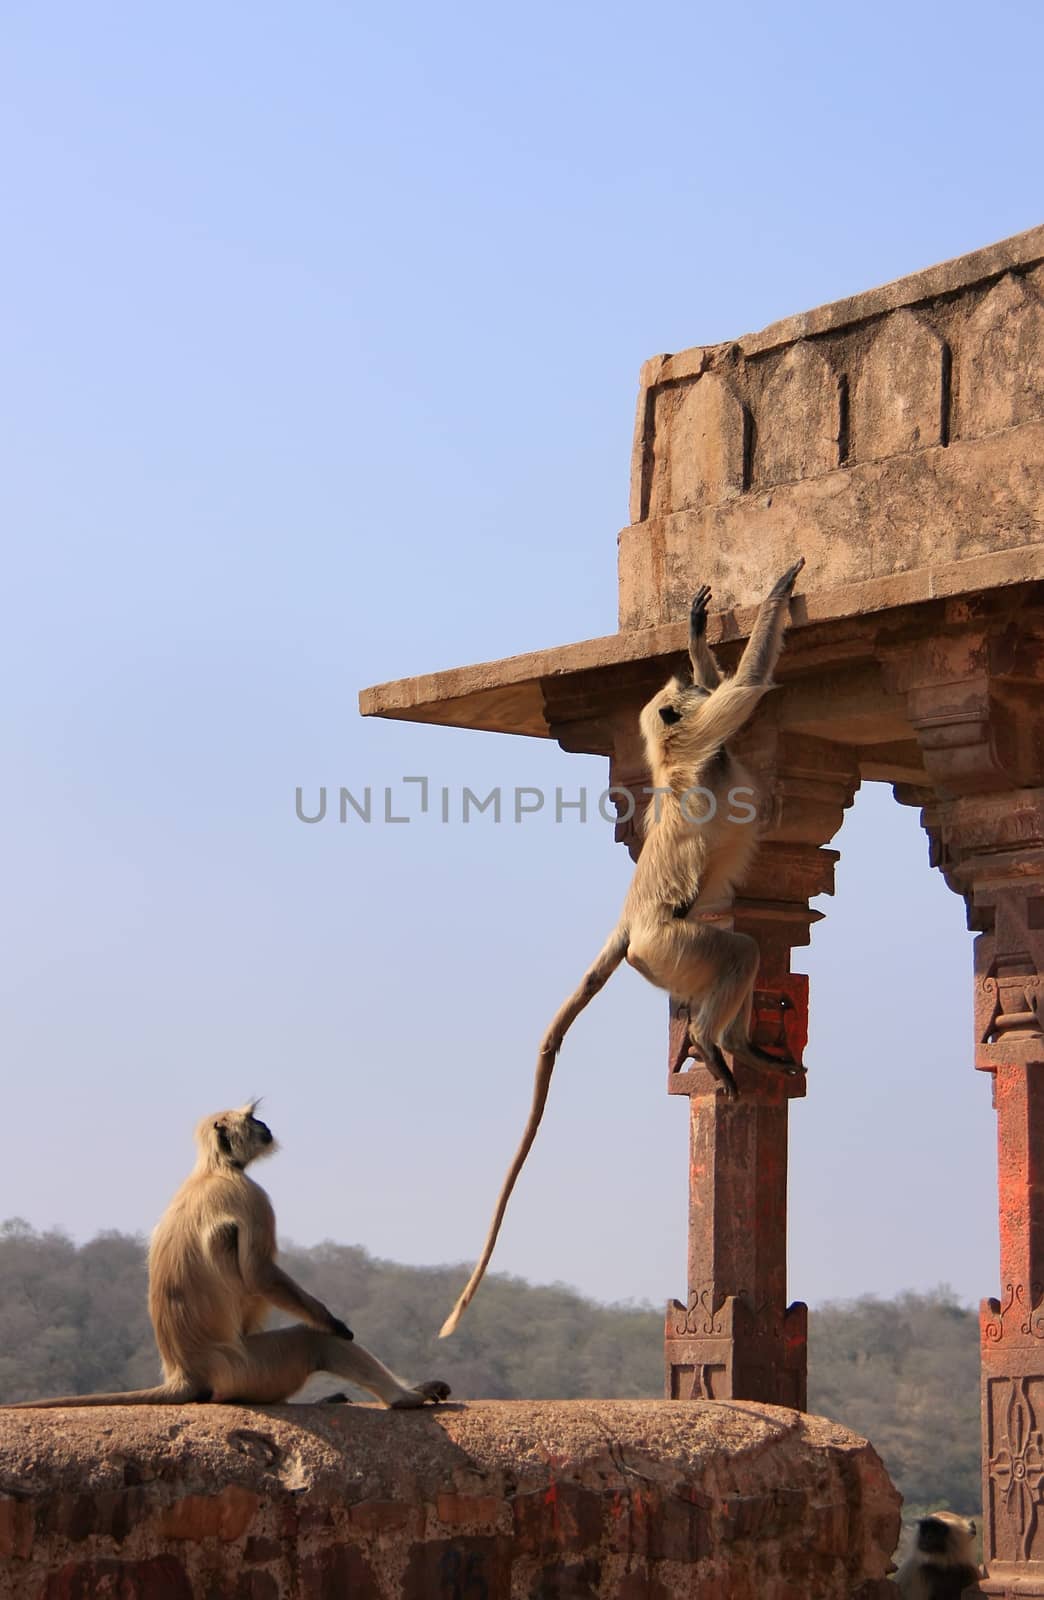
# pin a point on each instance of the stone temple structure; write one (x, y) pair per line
(895, 439)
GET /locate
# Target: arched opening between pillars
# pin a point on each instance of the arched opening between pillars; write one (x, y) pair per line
(893, 1163)
(893, 1152)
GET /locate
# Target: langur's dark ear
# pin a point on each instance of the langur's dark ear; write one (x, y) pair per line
(669, 715)
(223, 1139)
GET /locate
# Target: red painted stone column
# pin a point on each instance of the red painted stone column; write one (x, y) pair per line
(735, 1336)
(993, 847)
(974, 695)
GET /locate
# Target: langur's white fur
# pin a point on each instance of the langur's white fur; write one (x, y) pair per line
(213, 1275)
(942, 1563)
(684, 866)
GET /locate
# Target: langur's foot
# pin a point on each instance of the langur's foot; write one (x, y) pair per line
(338, 1399)
(760, 1060)
(755, 1057)
(721, 1070)
(433, 1390)
(685, 1046)
(694, 1053)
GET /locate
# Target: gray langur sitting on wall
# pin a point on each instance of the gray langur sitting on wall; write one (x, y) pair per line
(213, 1275)
(942, 1563)
(687, 862)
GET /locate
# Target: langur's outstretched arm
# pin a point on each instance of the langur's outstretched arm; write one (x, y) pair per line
(281, 1290)
(704, 667)
(758, 661)
(262, 1275)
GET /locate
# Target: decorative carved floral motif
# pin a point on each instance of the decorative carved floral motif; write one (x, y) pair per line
(1017, 1467)
(705, 1316)
(1009, 958)
(1028, 1309)
(1010, 1005)
(701, 1315)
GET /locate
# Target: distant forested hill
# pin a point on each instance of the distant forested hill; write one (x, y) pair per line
(903, 1372)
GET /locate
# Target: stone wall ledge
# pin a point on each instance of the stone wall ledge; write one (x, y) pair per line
(633, 1500)
(931, 283)
(511, 695)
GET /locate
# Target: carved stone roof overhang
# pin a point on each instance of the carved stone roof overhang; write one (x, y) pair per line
(895, 439)
(568, 692)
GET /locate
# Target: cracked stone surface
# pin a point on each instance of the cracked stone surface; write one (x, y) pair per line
(634, 1500)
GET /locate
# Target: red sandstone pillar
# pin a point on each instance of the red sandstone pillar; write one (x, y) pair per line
(1005, 881)
(975, 696)
(735, 1337)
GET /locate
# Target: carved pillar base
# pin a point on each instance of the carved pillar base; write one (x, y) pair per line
(716, 1354)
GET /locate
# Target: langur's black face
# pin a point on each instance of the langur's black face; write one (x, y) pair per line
(241, 1137)
(257, 1132)
(933, 1536)
(944, 1534)
(667, 708)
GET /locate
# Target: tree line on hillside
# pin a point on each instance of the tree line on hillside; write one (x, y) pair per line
(902, 1372)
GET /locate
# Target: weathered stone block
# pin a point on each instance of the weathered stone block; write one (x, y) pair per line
(467, 1565)
(79, 1516)
(896, 401)
(382, 1516)
(155, 1578)
(468, 1510)
(256, 1586)
(16, 1528)
(697, 444)
(259, 1550)
(561, 1516)
(1001, 361)
(798, 418)
(336, 1571)
(223, 1516)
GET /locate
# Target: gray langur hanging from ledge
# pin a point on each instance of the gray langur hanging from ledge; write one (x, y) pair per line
(685, 863)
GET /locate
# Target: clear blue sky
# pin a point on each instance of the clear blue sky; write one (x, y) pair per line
(321, 332)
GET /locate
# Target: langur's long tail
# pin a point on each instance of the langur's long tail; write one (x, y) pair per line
(605, 965)
(161, 1395)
